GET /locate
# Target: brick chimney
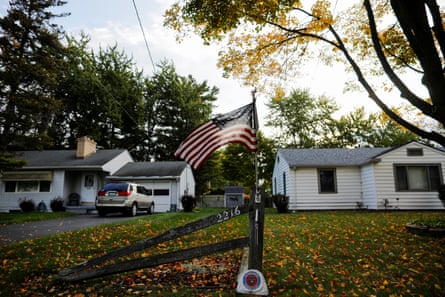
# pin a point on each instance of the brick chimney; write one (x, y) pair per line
(85, 147)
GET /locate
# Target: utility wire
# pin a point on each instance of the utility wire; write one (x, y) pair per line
(143, 34)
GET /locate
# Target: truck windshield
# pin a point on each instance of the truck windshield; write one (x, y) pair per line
(118, 187)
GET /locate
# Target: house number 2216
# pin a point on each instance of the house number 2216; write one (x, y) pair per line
(228, 214)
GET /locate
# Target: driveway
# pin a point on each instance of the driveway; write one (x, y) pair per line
(18, 232)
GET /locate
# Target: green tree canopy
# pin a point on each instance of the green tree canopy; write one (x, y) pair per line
(299, 119)
(357, 128)
(237, 164)
(303, 121)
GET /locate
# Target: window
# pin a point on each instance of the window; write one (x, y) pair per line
(89, 181)
(10, 186)
(327, 181)
(414, 152)
(284, 183)
(417, 177)
(27, 186)
(161, 192)
(44, 186)
(27, 181)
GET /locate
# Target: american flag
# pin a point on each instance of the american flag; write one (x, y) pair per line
(237, 126)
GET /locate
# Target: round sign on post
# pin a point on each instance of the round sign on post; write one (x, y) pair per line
(252, 282)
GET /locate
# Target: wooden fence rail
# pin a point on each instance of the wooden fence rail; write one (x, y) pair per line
(158, 259)
(80, 271)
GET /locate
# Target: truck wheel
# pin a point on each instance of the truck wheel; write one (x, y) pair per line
(134, 210)
(151, 209)
(101, 212)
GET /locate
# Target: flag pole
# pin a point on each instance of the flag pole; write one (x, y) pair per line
(252, 281)
(256, 220)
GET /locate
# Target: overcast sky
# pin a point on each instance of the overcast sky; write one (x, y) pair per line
(110, 22)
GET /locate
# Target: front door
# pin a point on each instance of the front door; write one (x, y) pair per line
(88, 188)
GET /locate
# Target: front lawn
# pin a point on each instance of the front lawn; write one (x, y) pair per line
(305, 254)
(24, 217)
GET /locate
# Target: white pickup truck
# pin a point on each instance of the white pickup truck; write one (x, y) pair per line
(124, 197)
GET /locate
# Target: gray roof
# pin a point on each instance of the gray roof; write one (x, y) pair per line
(330, 156)
(66, 158)
(151, 169)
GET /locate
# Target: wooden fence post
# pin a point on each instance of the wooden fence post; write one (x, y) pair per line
(256, 232)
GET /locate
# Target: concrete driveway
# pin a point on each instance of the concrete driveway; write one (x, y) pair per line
(18, 232)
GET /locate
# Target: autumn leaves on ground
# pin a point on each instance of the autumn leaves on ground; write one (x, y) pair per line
(305, 254)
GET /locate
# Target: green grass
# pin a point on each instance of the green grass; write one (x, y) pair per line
(305, 254)
(23, 217)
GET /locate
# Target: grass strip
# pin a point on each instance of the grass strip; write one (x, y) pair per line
(24, 217)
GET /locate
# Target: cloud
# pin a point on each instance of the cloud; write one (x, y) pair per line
(190, 57)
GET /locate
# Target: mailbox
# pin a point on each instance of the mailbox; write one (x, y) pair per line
(234, 196)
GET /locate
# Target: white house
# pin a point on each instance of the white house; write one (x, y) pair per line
(404, 177)
(168, 180)
(60, 173)
(82, 172)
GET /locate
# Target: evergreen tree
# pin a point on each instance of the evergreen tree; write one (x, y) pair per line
(179, 104)
(103, 96)
(31, 56)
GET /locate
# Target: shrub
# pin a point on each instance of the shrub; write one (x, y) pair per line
(188, 203)
(281, 202)
(57, 204)
(441, 191)
(27, 205)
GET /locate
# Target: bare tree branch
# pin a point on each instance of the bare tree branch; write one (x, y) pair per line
(413, 20)
(340, 45)
(426, 108)
(405, 91)
(438, 28)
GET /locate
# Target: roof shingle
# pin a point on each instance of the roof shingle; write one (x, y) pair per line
(330, 156)
(151, 169)
(66, 158)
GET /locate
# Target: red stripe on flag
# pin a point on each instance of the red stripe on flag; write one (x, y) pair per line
(193, 141)
(247, 140)
(205, 139)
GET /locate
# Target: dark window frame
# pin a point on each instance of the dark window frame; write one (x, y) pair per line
(433, 177)
(414, 152)
(10, 186)
(13, 186)
(322, 187)
(161, 192)
(284, 184)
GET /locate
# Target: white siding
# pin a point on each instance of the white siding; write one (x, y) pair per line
(186, 186)
(291, 188)
(281, 168)
(10, 201)
(368, 187)
(118, 162)
(307, 190)
(162, 202)
(385, 181)
(187, 182)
